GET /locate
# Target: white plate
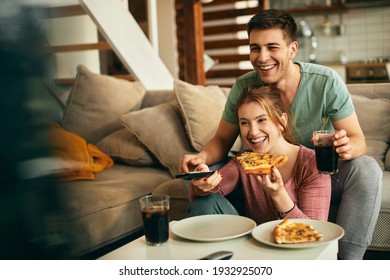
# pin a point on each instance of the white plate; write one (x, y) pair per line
(213, 227)
(330, 231)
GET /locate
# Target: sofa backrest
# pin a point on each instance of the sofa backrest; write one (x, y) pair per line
(372, 105)
(370, 90)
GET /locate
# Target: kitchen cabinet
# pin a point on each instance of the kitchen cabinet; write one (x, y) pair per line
(306, 7)
(367, 72)
(362, 72)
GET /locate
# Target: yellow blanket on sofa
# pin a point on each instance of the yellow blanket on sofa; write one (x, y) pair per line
(79, 159)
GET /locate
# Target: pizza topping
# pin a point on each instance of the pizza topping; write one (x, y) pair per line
(289, 232)
(260, 164)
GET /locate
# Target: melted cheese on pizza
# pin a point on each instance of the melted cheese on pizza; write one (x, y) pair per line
(255, 163)
(289, 232)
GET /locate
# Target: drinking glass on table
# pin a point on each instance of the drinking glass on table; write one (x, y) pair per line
(326, 156)
(155, 216)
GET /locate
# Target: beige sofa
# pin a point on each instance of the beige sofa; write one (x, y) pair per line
(372, 105)
(147, 132)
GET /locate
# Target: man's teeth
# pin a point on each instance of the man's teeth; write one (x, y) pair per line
(267, 67)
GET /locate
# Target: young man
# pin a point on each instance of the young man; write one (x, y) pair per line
(317, 98)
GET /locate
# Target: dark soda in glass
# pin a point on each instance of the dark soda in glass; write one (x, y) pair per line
(326, 159)
(156, 224)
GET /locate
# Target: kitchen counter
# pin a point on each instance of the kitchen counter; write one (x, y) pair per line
(360, 72)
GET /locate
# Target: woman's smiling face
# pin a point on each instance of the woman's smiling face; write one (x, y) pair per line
(257, 129)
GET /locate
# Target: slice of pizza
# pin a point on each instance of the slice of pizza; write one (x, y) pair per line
(289, 232)
(260, 164)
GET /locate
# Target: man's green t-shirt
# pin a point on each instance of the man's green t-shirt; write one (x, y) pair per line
(321, 95)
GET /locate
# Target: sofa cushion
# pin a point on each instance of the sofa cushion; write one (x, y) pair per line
(123, 146)
(377, 149)
(115, 186)
(176, 189)
(97, 101)
(157, 97)
(100, 212)
(201, 108)
(374, 111)
(161, 130)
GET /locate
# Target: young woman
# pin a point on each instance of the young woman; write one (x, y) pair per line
(296, 190)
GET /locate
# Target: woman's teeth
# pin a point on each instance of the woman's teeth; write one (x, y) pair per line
(258, 140)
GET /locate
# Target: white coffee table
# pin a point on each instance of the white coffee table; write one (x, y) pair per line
(243, 248)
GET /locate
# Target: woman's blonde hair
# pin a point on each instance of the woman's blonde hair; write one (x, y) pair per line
(268, 96)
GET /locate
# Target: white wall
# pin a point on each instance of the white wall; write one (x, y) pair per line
(71, 30)
(167, 35)
(53, 3)
(75, 30)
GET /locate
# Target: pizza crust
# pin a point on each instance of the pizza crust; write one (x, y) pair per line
(289, 232)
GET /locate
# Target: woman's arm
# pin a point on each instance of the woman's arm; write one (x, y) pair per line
(222, 181)
(310, 190)
(313, 192)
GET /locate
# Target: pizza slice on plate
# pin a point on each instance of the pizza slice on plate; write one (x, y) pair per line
(260, 164)
(289, 232)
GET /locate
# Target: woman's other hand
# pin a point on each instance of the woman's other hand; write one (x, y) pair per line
(209, 183)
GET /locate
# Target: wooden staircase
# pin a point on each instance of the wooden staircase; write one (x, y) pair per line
(214, 32)
(104, 48)
(117, 29)
(222, 42)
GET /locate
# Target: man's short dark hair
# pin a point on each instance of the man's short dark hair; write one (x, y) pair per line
(272, 18)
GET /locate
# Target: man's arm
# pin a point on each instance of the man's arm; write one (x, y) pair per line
(350, 141)
(215, 150)
(219, 146)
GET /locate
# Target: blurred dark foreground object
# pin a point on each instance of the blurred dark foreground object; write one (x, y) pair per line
(29, 210)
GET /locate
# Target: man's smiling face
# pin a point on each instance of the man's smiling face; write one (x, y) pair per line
(270, 54)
